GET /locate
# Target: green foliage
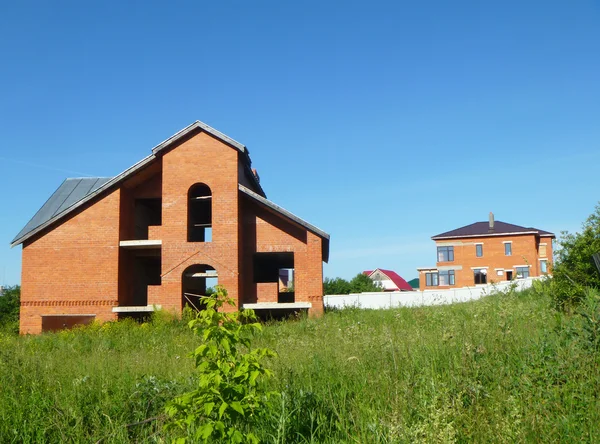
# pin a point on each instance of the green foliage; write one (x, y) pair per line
(336, 286)
(9, 309)
(574, 268)
(506, 368)
(358, 284)
(229, 397)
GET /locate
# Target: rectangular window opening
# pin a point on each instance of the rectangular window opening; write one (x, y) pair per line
(446, 277)
(508, 249)
(480, 276)
(445, 254)
(544, 266)
(522, 272)
(276, 268)
(479, 250)
(431, 279)
(147, 213)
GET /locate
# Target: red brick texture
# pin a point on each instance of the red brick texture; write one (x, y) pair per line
(77, 266)
(525, 251)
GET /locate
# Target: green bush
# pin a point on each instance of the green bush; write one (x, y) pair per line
(574, 269)
(9, 309)
(229, 398)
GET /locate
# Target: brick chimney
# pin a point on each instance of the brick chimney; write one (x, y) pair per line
(256, 174)
(491, 229)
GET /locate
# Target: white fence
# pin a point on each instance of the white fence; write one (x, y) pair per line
(418, 298)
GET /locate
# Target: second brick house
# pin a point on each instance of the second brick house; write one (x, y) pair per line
(191, 214)
(485, 252)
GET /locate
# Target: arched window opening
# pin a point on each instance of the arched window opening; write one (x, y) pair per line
(199, 213)
(197, 281)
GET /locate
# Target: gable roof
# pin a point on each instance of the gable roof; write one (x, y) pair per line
(479, 229)
(394, 277)
(80, 193)
(276, 208)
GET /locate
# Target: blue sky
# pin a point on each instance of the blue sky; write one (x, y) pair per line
(383, 123)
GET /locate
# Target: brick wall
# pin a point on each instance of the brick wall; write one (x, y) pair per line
(73, 268)
(525, 251)
(77, 267)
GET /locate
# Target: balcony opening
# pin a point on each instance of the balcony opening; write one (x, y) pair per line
(278, 269)
(147, 212)
(197, 281)
(138, 270)
(199, 213)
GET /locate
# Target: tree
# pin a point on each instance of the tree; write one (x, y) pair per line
(9, 308)
(574, 269)
(336, 286)
(358, 284)
(362, 283)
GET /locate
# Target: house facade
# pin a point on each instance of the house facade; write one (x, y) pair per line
(190, 215)
(388, 280)
(486, 252)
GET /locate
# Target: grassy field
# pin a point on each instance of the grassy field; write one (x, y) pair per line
(502, 369)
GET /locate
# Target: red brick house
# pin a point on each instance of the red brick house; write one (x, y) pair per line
(189, 215)
(485, 252)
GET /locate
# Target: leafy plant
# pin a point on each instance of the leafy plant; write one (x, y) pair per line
(9, 309)
(228, 398)
(574, 269)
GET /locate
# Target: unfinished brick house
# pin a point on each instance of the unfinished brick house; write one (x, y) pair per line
(190, 215)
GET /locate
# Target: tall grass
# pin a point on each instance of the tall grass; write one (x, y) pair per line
(504, 368)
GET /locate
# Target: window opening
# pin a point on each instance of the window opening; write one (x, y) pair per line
(147, 212)
(522, 272)
(431, 279)
(445, 254)
(199, 213)
(276, 268)
(480, 276)
(146, 272)
(446, 277)
(508, 249)
(479, 250)
(544, 266)
(509, 275)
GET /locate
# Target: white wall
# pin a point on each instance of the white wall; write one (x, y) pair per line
(419, 298)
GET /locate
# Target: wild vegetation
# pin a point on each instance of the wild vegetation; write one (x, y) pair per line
(508, 367)
(358, 284)
(516, 366)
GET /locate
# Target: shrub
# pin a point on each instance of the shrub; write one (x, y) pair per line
(574, 270)
(9, 309)
(228, 398)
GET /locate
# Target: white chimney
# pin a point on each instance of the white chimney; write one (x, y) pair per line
(491, 230)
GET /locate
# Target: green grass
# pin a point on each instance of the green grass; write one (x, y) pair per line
(502, 369)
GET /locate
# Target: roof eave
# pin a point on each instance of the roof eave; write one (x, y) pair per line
(487, 235)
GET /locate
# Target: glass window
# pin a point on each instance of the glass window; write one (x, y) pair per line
(522, 272)
(446, 277)
(431, 279)
(479, 250)
(480, 276)
(508, 249)
(445, 254)
(544, 266)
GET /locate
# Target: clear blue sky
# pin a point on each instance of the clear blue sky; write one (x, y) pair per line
(381, 123)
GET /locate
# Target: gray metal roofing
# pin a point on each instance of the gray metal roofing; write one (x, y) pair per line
(483, 229)
(68, 193)
(43, 218)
